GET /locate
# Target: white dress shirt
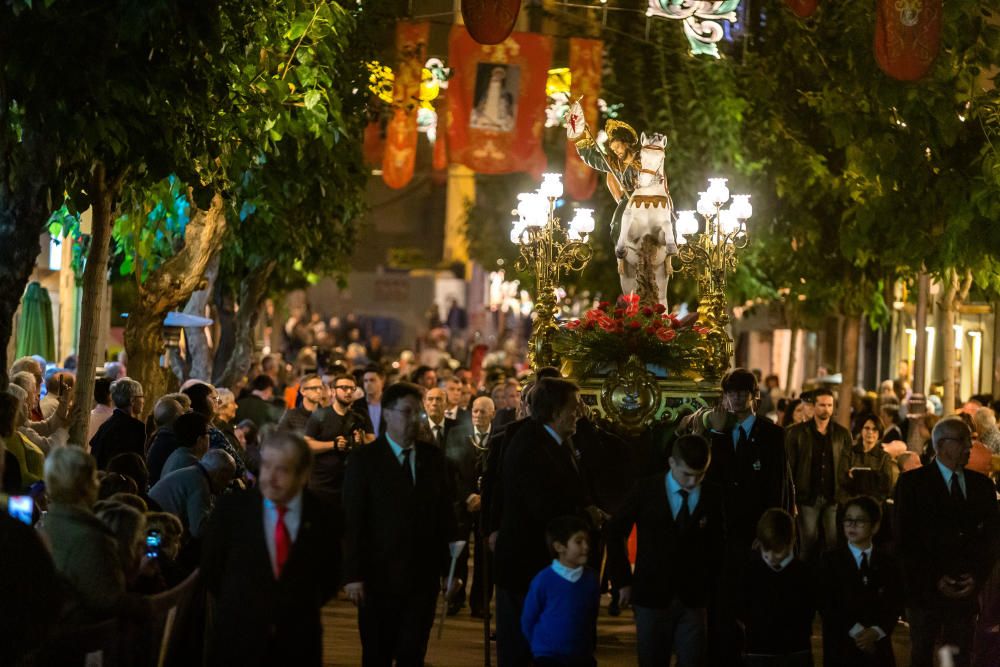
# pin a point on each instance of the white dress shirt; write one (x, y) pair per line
(857, 553)
(293, 518)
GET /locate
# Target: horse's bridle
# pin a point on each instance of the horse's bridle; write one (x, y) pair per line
(659, 172)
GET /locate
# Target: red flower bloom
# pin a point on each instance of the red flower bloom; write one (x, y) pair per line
(592, 314)
(604, 321)
(619, 312)
(660, 308)
(604, 305)
(588, 325)
(572, 324)
(647, 311)
(666, 335)
(634, 324)
(651, 330)
(702, 330)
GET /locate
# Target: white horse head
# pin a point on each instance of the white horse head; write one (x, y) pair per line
(652, 154)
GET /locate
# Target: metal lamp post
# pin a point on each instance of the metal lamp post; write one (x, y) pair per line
(709, 256)
(547, 249)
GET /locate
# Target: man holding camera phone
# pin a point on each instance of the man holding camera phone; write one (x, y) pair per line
(331, 433)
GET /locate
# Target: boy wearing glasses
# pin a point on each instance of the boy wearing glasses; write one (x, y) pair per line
(331, 433)
(862, 594)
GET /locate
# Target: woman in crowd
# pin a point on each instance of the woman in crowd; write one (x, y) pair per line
(866, 469)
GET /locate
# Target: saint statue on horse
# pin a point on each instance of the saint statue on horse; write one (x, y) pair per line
(642, 225)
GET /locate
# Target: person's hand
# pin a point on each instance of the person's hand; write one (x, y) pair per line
(340, 442)
(718, 418)
(65, 403)
(356, 592)
(473, 502)
(359, 436)
(492, 540)
(866, 639)
(149, 567)
(894, 448)
(625, 596)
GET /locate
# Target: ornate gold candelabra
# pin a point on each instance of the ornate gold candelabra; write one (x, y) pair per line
(709, 256)
(547, 249)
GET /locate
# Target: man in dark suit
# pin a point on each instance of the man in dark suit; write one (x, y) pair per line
(123, 431)
(400, 528)
(271, 560)
(749, 463)
(465, 450)
(541, 480)
(946, 518)
(437, 426)
(681, 534)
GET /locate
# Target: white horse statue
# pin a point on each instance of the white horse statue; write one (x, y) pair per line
(646, 241)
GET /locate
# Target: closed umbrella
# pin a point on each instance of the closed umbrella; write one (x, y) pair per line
(35, 334)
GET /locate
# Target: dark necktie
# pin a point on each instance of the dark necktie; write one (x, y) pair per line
(407, 470)
(864, 568)
(437, 434)
(956, 489)
(741, 441)
(683, 514)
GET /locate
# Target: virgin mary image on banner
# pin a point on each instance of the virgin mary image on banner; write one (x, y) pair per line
(496, 97)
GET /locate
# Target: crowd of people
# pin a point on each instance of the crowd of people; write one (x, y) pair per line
(395, 485)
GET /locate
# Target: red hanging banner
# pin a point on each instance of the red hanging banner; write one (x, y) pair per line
(907, 37)
(802, 8)
(496, 102)
(585, 59)
(400, 154)
(490, 21)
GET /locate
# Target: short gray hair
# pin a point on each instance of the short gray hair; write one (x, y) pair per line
(167, 410)
(70, 474)
(948, 427)
(181, 398)
(984, 419)
(226, 397)
(123, 390)
(218, 460)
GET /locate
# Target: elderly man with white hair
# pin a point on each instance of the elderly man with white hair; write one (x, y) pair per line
(123, 431)
(46, 432)
(189, 493)
(985, 421)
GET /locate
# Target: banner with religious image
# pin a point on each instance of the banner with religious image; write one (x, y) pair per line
(585, 60)
(496, 102)
(907, 37)
(400, 155)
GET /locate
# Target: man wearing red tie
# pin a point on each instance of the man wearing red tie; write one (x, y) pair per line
(268, 592)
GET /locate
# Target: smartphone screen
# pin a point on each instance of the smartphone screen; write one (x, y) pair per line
(152, 544)
(21, 508)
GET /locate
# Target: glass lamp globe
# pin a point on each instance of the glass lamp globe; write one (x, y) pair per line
(532, 208)
(583, 220)
(728, 221)
(717, 190)
(741, 207)
(552, 187)
(686, 224)
(705, 205)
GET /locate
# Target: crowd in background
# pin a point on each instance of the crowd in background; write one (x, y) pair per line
(341, 467)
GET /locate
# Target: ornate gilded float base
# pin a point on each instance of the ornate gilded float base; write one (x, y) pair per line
(632, 397)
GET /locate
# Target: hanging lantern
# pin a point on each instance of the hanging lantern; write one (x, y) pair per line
(907, 37)
(802, 8)
(490, 21)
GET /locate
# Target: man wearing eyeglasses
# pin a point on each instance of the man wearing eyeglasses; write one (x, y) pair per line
(331, 433)
(946, 517)
(312, 389)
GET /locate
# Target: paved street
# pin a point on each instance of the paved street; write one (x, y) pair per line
(462, 643)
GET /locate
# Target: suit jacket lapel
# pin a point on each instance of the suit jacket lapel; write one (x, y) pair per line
(259, 546)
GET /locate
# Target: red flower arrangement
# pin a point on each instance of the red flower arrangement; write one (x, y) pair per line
(610, 333)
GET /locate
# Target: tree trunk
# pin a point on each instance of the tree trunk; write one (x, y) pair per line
(952, 297)
(849, 369)
(792, 353)
(104, 193)
(167, 288)
(199, 351)
(253, 291)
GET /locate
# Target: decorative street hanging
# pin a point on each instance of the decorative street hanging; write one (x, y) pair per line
(490, 21)
(802, 8)
(907, 37)
(401, 136)
(585, 58)
(496, 102)
(701, 20)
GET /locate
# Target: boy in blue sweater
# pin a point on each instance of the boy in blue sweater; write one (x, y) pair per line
(560, 611)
